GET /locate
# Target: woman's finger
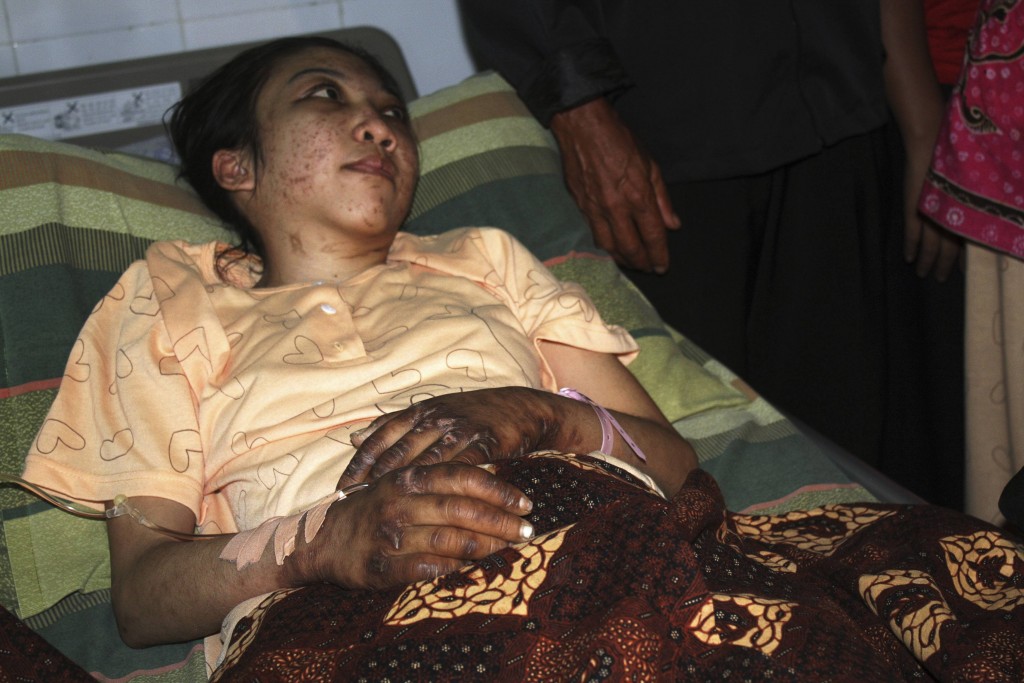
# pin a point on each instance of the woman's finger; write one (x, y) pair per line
(388, 570)
(437, 454)
(449, 542)
(417, 448)
(466, 481)
(455, 450)
(384, 434)
(419, 522)
(467, 514)
(360, 435)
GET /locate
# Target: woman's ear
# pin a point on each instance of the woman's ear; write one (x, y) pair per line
(232, 169)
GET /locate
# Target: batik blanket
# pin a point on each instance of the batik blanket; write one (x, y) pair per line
(622, 585)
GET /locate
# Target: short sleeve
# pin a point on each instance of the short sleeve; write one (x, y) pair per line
(124, 420)
(549, 309)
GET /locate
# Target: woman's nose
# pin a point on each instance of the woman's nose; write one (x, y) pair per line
(375, 129)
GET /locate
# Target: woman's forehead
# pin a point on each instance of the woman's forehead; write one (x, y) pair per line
(336, 63)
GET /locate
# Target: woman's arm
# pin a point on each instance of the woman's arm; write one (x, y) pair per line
(165, 590)
(606, 381)
(412, 524)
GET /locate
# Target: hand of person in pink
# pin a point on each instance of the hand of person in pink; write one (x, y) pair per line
(932, 249)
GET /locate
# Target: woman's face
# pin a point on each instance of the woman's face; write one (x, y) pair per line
(337, 152)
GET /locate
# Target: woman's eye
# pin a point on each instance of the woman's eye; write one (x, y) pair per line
(397, 113)
(328, 92)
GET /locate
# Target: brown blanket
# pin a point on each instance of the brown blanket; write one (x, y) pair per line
(26, 657)
(622, 585)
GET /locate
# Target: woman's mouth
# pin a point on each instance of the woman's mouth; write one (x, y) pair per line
(374, 165)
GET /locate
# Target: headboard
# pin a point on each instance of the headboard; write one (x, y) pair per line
(121, 105)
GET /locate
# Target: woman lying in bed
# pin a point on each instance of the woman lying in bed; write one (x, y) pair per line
(223, 387)
(235, 389)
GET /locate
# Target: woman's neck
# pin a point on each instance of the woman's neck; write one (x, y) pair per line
(293, 259)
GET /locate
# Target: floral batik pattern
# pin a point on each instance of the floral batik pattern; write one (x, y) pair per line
(622, 585)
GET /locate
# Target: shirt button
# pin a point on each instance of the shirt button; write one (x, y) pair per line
(328, 309)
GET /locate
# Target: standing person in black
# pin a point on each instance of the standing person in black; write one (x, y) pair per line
(732, 157)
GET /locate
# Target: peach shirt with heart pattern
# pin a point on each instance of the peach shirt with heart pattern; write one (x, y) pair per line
(238, 402)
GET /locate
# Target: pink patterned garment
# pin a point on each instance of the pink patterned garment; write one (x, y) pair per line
(975, 186)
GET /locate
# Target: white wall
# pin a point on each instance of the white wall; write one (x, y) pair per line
(47, 35)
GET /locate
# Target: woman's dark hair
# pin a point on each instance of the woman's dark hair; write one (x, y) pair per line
(220, 113)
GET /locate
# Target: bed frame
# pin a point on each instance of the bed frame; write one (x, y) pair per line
(28, 104)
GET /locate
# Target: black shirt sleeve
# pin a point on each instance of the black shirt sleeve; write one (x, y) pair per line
(551, 51)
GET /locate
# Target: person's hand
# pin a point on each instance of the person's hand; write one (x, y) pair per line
(916, 102)
(471, 427)
(932, 249)
(416, 523)
(617, 186)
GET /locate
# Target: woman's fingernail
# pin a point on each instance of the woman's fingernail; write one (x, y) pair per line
(526, 530)
(525, 504)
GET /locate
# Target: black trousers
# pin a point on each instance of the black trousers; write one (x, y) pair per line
(794, 279)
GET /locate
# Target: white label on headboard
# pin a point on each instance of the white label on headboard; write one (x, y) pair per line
(76, 117)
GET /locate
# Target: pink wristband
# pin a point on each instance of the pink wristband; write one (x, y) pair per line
(608, 423)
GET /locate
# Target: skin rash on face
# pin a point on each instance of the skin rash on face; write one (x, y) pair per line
(339, 160)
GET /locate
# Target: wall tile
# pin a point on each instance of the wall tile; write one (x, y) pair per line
(41, 19)
(205, 9)
(261, 25)
(43, 35)
(428, 31)
(5, 34)
(95, 48)
(8, 67)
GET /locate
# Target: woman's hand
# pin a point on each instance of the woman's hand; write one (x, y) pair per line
(416, 523)
(412, 524)
(492, 424)
(470, 427)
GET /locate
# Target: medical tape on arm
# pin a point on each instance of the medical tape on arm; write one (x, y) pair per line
(247, 547)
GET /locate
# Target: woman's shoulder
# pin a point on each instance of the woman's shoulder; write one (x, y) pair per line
(211, 262)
